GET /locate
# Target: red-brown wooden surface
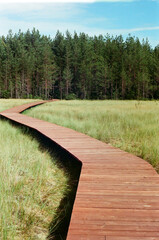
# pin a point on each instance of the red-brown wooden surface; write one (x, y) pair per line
(118, 193)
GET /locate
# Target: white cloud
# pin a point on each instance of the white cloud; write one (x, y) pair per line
(94, 31)
(115, 0)
(50, 28)
(41, 10)
(144, 29)
(63, 1)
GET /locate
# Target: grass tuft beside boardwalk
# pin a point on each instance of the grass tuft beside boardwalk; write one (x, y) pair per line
(130, 125)
(31, 183)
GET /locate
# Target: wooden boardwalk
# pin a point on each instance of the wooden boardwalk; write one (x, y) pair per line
(118, 193)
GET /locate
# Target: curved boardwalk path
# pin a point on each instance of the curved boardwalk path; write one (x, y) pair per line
(118, 193)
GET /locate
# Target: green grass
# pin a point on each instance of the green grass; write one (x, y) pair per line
(31, 184)
(130, 125)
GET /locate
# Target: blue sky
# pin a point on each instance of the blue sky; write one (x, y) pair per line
(137, 17)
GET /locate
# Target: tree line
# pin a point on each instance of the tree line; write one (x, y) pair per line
(77, 66)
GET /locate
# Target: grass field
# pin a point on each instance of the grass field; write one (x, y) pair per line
(130, 125)
(31, 183)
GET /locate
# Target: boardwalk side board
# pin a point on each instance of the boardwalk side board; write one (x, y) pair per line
(118, 193)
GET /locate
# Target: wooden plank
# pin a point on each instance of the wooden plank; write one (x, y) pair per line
(104, 227)
(120, 172)
(85, 237)
(119, 179)
(115, 233)
(94, 214)
(120, 202)
(105, 193)
(130, 238)
(92, 186)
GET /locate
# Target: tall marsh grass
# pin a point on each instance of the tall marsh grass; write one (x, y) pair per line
(130, 125)
(31, 184)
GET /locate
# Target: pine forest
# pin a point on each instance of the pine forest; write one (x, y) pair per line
(77, 66)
